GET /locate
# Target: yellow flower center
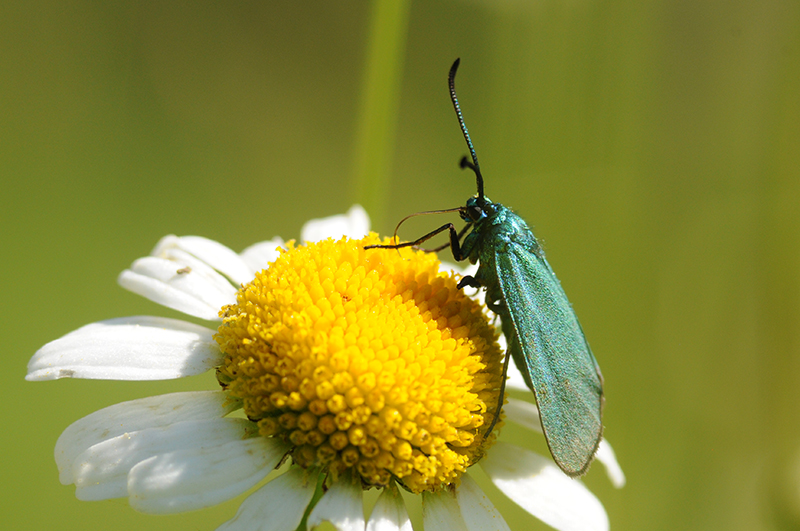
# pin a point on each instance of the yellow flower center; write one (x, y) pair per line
(369, 360)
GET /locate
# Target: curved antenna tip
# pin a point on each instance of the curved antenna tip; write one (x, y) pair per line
(452, 75)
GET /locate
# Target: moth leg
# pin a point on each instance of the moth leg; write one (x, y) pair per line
(448, 244)
(501, 398)
(454, 241)
(497, 306)
(494, 299)
(469, 280)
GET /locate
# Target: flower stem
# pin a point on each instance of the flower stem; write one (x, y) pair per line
(379, 105)
(318, 492)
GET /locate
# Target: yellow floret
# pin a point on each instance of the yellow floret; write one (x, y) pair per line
(364, 359)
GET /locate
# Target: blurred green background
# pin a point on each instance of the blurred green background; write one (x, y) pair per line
(654, 146)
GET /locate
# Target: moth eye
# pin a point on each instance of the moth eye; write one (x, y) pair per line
(475, 212)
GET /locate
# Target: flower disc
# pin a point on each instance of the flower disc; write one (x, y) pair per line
(370, 360)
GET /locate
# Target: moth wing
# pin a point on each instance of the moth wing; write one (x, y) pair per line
(565, 376)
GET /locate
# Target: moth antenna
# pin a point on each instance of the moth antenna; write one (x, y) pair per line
(451, 78)
(415, 214)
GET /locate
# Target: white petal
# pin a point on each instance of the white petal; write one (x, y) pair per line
(440, 512)
(184, 284)
(389, 513)
(166, 295)
(527, 415)
(101, 472)
(189, 264)
(277, 506)
(342, 506)
(214, 254)
(354, 224)
(515, 379)
(523, 413)
(446, 267)
(462, 268)
(476, 509)
(605, 454)
(128, 348)
(191, 479)
(258, 256)
(136, 415)
(537, 485)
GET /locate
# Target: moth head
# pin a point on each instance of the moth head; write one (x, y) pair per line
(474, 210)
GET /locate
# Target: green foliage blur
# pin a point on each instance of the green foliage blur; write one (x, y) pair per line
(654, 147)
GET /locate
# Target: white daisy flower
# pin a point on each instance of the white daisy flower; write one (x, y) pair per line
(361, 368)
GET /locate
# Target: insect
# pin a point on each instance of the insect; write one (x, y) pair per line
(542, 331)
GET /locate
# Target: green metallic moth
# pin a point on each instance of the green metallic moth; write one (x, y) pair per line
(543, 334)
